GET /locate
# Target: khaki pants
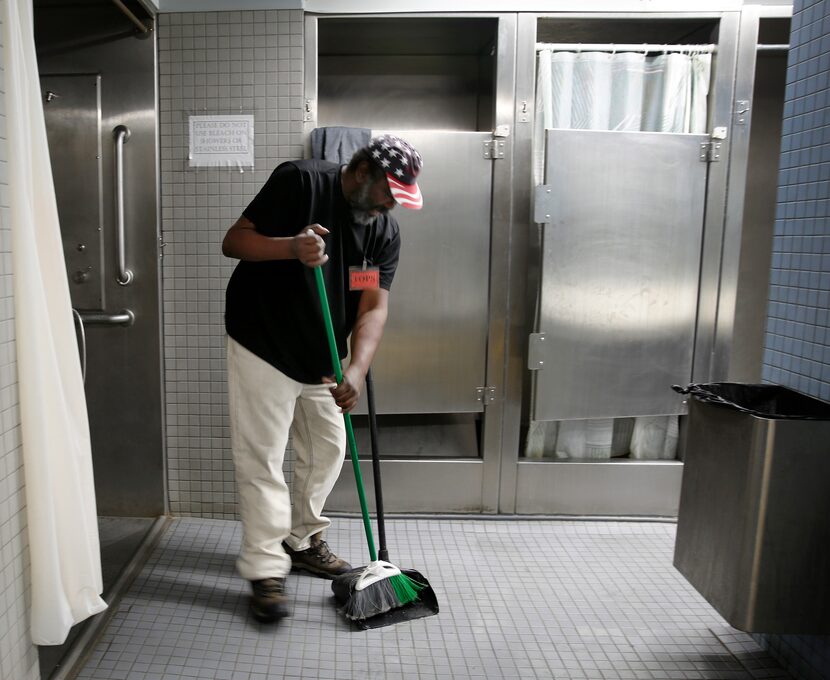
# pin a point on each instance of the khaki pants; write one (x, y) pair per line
(265, 405)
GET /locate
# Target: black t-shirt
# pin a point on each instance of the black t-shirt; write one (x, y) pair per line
(272, 308)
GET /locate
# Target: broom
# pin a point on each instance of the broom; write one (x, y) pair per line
(380, 586)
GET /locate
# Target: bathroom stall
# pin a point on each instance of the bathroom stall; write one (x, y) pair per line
(628, 167)
(568, 267)
(644, 271)
(443, 83)
(97, 64)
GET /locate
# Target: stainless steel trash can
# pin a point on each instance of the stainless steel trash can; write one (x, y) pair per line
(753, 527)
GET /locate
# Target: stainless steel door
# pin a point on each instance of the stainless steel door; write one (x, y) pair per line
(97, 87)
(434, 350)
(623, 214)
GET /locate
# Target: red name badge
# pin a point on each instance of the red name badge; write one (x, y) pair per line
(364, 279)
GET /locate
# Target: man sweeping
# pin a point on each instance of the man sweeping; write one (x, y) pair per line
(309, 213)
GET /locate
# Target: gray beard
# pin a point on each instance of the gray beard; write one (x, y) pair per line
(363, 217)
(361, 207)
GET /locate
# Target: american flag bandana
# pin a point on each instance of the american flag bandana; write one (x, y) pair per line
(401, 163)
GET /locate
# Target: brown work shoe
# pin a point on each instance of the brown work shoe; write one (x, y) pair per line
(268, 602)
(317, 559)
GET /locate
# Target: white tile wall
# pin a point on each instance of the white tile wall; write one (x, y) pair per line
(214, 63)
(18, 656)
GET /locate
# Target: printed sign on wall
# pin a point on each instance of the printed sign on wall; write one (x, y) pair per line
(221, 141)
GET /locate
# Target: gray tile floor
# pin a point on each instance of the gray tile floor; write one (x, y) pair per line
(519, 599)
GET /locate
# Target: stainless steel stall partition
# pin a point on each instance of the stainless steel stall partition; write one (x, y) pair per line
(444, 84)
(762, 79)
(622, 248)
(435, 341)
(98, 79)
(624, 313)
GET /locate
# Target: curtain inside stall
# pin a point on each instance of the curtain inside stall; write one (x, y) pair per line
(620, 91)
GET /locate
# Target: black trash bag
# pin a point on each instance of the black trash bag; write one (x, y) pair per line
(765, 401)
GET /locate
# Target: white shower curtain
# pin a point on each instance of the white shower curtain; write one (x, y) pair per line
(60, 495)
(625, 91)
(619, 91)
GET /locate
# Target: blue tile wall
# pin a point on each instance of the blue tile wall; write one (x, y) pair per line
(797, 345)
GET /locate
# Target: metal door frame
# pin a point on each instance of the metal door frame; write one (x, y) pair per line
(470, 485)
(721, 366)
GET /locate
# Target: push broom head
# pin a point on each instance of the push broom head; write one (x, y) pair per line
(376, 589)
(370, 594)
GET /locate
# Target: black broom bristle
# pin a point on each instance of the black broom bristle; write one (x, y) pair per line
(377, 598)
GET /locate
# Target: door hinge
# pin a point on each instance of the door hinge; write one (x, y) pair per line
(742, 108)
(495, 149)
(536, 351)
(523, 114)
(710, 151)
(486, 395)
(543, 204)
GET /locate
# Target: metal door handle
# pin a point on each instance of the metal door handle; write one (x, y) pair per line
(123, 318)
(122, 134)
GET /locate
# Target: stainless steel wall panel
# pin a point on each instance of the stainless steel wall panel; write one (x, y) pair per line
(752, 294)
(750, 212)
(414, 72)
(724, 336)
(434, 349)
(621, 488)
(72, 110)
(711, 341)
(621, 261)
(414, 486)
(420, 437)
(430, 92)
(500, 436)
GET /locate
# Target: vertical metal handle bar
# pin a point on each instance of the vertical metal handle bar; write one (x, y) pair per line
(122, 134)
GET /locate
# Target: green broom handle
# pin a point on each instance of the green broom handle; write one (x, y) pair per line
(338, 373)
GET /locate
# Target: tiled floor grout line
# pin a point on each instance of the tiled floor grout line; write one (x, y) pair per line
(562, 600)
